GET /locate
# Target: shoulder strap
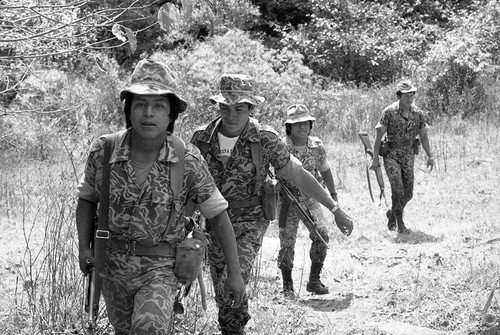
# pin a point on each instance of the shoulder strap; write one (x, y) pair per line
(257, 161)
(177, 173)
(102, 232)
(203, 146)
(255, 147)
(315, 151)
(104, 196)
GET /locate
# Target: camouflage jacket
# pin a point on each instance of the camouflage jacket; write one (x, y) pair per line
(312, 158)
(236, 179)
(142, 213)
(402, 131)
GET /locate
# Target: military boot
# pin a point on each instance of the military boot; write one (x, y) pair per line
(391, 223)
(400, 223)
(287, 283)
(315, 285)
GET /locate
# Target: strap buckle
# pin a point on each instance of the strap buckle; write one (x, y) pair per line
(102, 234)
(130, 247)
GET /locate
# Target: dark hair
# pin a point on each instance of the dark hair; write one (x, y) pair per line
(174, 110)
(288, 128)
(398, 94)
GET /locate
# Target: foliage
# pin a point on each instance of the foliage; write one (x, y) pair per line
(461, 69)
(54, 105)
(279, 76)
(364, 43)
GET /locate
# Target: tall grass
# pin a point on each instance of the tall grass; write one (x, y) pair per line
(457, 202)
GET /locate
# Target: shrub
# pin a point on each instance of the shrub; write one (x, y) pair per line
(461, 69)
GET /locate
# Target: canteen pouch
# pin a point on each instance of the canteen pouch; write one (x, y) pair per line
(269, 199)
(189, 257)
(384, 148)
(416, 146)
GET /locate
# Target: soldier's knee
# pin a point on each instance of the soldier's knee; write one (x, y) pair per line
(321, 231)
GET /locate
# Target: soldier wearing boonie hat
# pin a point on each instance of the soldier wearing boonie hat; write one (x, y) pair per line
(403, 121)
(230, 144)
(145, 221)
(311, 152)
(236, 88)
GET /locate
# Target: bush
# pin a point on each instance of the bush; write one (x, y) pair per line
(53, 105)
(461, 70)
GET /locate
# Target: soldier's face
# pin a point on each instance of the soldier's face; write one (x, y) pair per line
(150, 115)
(234, 118)
(300, 130)
(406, 99)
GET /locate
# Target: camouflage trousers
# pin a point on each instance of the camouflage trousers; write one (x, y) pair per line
(399, 169)
(288, 233)
(139, 293)
(249, 229)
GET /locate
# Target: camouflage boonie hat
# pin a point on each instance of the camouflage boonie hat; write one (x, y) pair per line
(236, 88)
(406, 86)
(153, 78)
(298, 113)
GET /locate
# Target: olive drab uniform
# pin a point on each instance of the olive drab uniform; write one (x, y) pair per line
(236, 180)
(140, 290)
(313, 158)
(399, 162)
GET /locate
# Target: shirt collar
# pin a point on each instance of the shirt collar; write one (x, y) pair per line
(121, 148)
(250, 133)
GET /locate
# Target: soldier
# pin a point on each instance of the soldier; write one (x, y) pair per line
(402, 121)
(139, 285)
(228, 144)
(311, 152)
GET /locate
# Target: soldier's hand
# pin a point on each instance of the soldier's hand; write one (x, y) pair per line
(430, 163)
(234, 289)
(344, 222)
(375, 164)
(86, 260)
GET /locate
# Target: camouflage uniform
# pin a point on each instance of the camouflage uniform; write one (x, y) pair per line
(399, 163)
(312, 159)
(140, 290)
(236, 181)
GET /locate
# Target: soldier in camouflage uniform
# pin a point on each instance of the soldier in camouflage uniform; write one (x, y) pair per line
(139, 285)
(226, 145)
(311, 152)
(402, 121)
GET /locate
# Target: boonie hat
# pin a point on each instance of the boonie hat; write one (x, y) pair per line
(152, 77)
(236, 88)
(298, 113)
(406, 86)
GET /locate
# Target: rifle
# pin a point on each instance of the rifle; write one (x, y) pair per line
(378, 171)
(304, 215)
(91, 305)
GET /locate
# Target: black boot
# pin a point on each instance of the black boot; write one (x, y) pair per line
(391, 223)
(287, 283)
(315, 285)
(400, 223)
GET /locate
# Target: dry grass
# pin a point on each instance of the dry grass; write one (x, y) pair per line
(439, 277)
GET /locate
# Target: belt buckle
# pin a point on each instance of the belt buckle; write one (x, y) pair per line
(131, 247)
(102, 234)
